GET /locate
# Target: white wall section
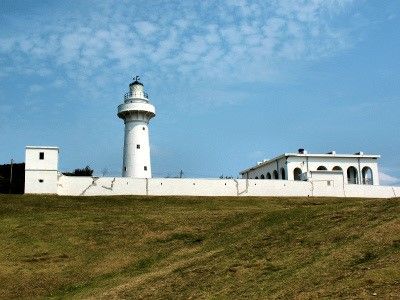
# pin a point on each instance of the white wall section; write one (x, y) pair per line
(109, 186)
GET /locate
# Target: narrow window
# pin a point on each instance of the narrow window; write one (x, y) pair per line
(137, 146)
(41, 180)
(145, 168)
(283, 173)
(144, 128)
(41, 155)
(124, 168)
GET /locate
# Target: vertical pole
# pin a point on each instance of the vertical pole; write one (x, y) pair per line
(11, 175)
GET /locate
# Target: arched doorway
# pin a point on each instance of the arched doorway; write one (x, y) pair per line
(283, 173)
(268, 175)
(322, 168)
(297, 174)
(352, 175)
(276, 175)
(256, 177)
(262, 176)
(367, 176)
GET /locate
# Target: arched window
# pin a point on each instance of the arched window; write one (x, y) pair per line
(352, 175)
(276, 175)
(337, 168)
(256, 177)
(297, 174)
(322, 168)
(262, 176)
(283, 173)
(268, 175)
(367, 176)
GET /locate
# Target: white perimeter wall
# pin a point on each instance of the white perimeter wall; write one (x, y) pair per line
(107, 186)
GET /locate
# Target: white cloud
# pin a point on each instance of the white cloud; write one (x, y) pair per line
(386, 179)
(145, 28)
(7, 44)
(58, 83)
(35, 88)
(5, 109)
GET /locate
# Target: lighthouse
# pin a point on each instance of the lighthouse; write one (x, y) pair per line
(136, 111)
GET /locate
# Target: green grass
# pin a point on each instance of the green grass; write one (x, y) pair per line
(190, 247)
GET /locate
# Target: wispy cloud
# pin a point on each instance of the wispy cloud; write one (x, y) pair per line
(218, 40)
(386, 179)
(5, 111)
(35, 88)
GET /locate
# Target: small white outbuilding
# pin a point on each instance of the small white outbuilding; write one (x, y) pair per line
(41, 170)
(357, 168)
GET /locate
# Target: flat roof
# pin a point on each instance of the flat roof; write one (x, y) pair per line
(42, 147)
(326, 155)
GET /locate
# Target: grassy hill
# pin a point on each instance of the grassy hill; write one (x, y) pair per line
(188, 247)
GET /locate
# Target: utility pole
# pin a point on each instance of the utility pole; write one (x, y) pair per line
(11, 174)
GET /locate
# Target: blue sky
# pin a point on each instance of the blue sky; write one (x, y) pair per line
(233, 82)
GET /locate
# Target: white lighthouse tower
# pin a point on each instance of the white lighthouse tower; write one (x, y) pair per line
(136, 111)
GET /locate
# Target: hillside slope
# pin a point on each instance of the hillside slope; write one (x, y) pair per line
(188, 247)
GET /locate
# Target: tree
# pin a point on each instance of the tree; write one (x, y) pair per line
(87, 171)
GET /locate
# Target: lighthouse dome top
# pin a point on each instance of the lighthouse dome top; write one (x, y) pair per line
(136, 81)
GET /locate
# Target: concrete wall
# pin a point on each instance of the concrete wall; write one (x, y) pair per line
(107, 186)
(372, 191)
(43, 182)
(49, 161)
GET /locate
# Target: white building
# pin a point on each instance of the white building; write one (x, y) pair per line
(136, 111)
(41, 170)
(296, 174)
(357, 168)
